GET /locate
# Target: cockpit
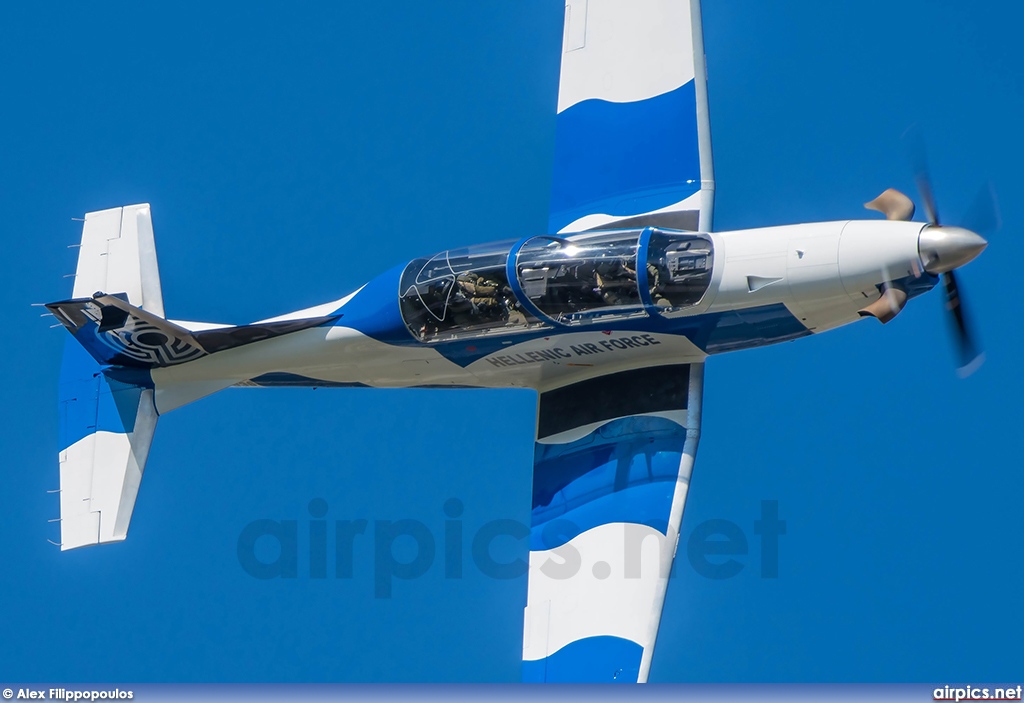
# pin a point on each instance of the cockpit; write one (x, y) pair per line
(551, 281)
(462, 293)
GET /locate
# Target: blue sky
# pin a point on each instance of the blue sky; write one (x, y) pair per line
(292, 154)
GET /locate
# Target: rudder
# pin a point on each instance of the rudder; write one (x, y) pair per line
(118, 255)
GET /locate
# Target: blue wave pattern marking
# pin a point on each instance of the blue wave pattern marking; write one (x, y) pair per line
(625, 158)
(602, 659)
(624, 471)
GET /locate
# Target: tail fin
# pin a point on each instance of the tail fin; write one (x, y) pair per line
(107, 397)
(106, 427)
(115, 332)
(118, 254)
(107, 415)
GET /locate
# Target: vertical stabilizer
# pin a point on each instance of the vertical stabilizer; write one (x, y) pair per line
(118, 255)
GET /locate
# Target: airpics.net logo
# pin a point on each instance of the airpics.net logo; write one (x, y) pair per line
(407, 549)
(978, 693)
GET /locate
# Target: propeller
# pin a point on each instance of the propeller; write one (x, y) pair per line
(970, 357)
(942, 249)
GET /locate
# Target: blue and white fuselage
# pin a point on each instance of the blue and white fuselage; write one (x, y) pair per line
(537, 312)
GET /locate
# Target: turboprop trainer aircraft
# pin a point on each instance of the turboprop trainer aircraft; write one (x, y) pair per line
(610, 316)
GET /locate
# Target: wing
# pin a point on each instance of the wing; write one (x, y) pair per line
(611, 470)
(633, 138)
(614, 453)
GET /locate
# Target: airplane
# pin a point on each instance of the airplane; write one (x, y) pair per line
(610, 316)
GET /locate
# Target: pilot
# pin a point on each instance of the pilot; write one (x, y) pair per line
(516, 317)
(475, 286)
(654, 285)
(491, 298)
(616, 282)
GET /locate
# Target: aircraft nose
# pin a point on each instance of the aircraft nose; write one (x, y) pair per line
(943, 248)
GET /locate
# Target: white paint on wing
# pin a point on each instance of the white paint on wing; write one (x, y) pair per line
(611, 591)
(577, 433)
(624, 51)
(600, 219)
